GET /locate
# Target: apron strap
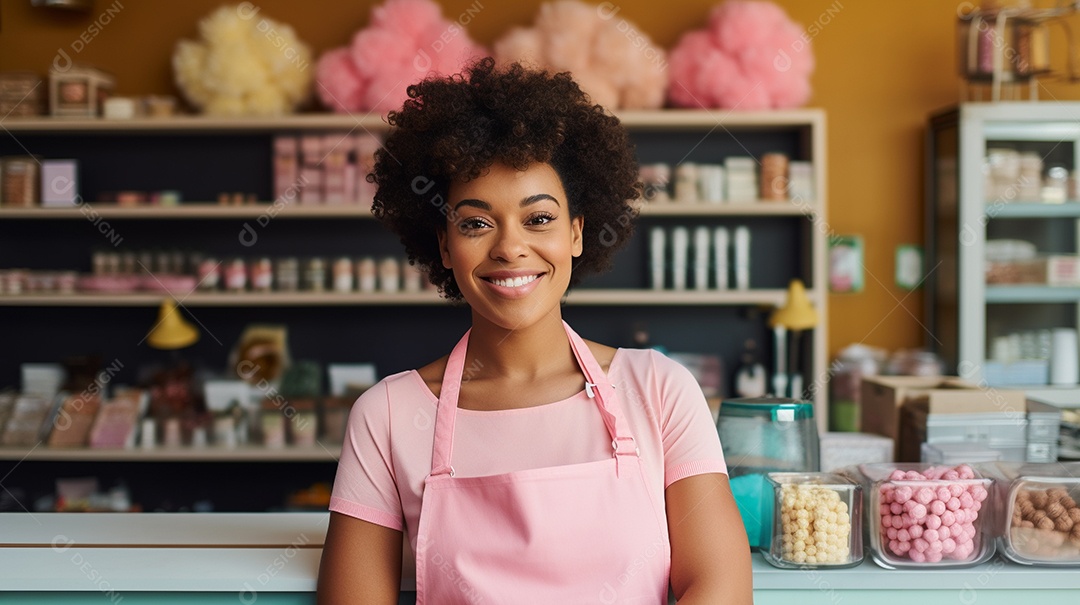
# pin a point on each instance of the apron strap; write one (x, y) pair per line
(447, 411)
(597, 386)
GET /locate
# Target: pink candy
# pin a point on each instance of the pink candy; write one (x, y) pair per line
(927, 522)
(924, 495)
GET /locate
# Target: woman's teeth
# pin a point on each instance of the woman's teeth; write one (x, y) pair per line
(515, 282)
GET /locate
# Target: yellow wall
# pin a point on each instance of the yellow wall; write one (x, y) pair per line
(881, 67)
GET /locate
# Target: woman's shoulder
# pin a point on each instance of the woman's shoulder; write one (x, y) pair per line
(432, 374)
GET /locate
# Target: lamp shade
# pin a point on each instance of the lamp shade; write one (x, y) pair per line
(797, 313)
(172, 331)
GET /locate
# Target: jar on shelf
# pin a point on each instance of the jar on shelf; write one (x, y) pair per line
(20, 181)
(261, 274)
(272, 424)
(1039, 504)
(209, 273)
(343, 274)
(366, 274)
(389, 275)
(303, 422)
(236, 275)
(287, 274)
(315, 275)
(774, 176)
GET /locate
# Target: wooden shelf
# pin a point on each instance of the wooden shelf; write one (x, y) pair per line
(1033, 210)
(190, 210)
(210, 210)
(596, 296)
(223, 299)
(667, 119)
(757, 208)
(252, 453)
(1032, 294)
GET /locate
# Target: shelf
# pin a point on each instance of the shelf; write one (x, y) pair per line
(318, 453)
(299, 299)
(1033, 210)
(1032, 294)
(672, 297)
(198, 124)
(222, 299)
(210, 210)
(757, 208)
(660, 119)
(189, 210)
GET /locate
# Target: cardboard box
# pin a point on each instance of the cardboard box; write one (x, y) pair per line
(883, 397)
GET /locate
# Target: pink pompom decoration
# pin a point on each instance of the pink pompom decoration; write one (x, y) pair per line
(750, 55)
(920, 545)
(948, 546)
(891, 532)
(903, 494)
(896, 475)
(931, 535)
(943, 494)
(956, 489)
(933, 556)
(944, 531)
(918, 512)
(406, 41)
(932, 522)
(895, 508)
(904, 535)
(916, 531)
(979, 493)
(966, 472)
(917, 555)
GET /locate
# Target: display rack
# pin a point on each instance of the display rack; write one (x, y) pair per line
(792, 245)
(964, 312)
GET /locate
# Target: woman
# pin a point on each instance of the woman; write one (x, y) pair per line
(528, 466)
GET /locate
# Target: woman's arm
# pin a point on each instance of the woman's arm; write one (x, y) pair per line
(710, 556)
(361, 563)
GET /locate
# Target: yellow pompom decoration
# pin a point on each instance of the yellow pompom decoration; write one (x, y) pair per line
(244, 64)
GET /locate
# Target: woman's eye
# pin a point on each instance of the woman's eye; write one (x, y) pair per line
(472, 224)
(540, 219)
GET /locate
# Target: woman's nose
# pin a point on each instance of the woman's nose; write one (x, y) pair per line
(510, 243)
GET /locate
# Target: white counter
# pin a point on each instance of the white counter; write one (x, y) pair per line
(268, 553)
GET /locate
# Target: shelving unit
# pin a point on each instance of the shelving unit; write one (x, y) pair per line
(607, 296)
(201, 156)
(318, 453)
(964, 312)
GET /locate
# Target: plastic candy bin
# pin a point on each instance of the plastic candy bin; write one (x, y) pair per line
(816, 521)
(923, 516)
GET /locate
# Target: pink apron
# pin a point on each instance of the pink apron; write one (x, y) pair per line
(581, 533)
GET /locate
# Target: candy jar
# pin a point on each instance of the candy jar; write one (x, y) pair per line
(816, 521)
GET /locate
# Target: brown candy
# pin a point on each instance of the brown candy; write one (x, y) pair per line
(1027, 524)
(1055, 510)
(1039, 499)
(1074, 514)
(1063, 524)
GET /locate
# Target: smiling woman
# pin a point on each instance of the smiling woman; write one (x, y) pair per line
(556, 470)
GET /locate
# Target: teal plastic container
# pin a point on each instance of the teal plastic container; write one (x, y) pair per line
(762, 435)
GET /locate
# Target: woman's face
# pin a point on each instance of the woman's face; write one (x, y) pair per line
(510, 242)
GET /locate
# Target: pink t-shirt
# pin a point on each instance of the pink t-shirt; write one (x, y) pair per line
(387, 451)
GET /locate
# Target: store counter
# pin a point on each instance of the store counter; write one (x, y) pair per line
(273, 558)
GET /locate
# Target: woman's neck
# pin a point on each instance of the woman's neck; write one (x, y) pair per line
(520, 354)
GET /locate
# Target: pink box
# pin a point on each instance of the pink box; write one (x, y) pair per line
(59, 182)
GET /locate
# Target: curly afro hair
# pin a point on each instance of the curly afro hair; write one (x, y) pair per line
(457, 127)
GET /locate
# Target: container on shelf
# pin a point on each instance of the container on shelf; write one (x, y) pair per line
(816, 521)
(925, 516)
(236, 275)
(261, 274)
(315, 275)
(763, 435)
(287, 277)
(209, 273)
(1039, 522)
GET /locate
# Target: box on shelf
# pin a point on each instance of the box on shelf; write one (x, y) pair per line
(816, 521)
(848, 449)
(958, 453)
(78, 91)
(59, 183)
(21, 95)
(1022, 372)
(884, 398)
(1049, 269)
